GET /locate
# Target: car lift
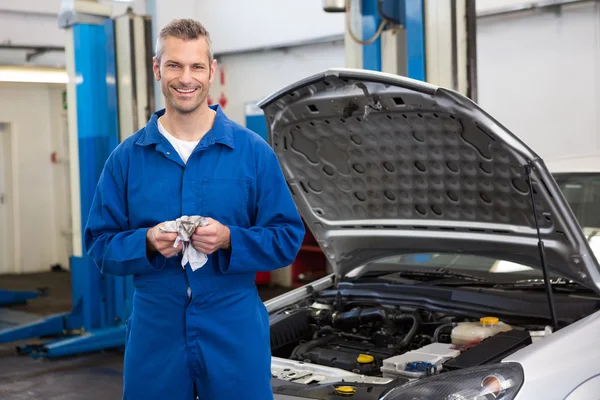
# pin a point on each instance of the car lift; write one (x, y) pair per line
(101, 303)
(11, 297)
(432, 41)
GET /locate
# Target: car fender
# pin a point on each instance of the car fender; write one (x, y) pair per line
(588, 390)
(562, 364)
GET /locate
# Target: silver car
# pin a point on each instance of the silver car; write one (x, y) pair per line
(460, 268)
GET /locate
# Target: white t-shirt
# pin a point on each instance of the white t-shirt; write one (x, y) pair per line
(185, 149)
(182, 147)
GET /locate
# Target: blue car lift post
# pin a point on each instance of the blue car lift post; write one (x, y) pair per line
(101, 304)
(405, 14)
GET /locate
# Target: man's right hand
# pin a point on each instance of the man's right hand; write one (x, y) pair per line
(162, 242)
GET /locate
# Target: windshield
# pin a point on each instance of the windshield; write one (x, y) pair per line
(582, 192)
(454, 262)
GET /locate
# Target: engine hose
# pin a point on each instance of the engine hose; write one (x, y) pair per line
(331, 330)
(416, 320)
(355, 336)
(325, 329)
(360, 316)
(436, 334)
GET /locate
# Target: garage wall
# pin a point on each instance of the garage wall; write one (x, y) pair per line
(539, 74)
(30, 22)
(42, 210)
(238, 25)
(35, 22)
(241, 25)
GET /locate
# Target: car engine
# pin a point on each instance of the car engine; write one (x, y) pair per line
(380, 341)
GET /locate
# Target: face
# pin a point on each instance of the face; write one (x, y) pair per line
(184, 73)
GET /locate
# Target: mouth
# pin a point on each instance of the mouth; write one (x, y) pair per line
(185, 91)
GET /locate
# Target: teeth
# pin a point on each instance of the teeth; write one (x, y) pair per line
(185, 90)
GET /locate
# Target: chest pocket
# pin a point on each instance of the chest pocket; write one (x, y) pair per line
(226, 200)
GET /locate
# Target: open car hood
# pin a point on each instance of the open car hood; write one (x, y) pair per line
(381, 165)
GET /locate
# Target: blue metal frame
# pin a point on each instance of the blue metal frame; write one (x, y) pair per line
(9, 297)
(410, 14)
(415, 38)
(101, 304)
(370, 23)
(255, 120)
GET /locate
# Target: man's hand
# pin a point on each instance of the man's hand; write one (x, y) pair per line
(162, 242)
(211, 237)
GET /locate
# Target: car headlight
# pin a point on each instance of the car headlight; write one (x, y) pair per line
(491, 382)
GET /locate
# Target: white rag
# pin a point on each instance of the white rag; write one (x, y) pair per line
(185, 228)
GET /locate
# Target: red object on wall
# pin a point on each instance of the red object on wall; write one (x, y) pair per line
(310, 263)
(222, 76)
(223, 100)
(263, 278)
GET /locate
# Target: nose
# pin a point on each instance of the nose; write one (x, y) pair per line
(186, 76)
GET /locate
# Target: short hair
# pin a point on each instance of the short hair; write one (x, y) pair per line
(186, 29)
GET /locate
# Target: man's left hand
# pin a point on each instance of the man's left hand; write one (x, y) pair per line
(211, 237)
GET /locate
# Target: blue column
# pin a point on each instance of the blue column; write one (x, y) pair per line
(415, 38)
(408, 13)
(97, 131)
(370, 24)
(100, 303)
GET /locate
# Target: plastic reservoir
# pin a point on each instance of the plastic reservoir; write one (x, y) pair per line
(468, 333)
(432, 355)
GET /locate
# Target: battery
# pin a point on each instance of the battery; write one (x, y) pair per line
(490, 350)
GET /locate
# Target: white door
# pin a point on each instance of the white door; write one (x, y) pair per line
(7, 244)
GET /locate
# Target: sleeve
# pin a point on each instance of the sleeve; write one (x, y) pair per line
(275, 239)
(114, 248)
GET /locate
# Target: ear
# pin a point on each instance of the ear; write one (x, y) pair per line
(156, 68)
(213, 71)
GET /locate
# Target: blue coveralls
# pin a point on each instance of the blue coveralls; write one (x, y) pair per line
(215, 343)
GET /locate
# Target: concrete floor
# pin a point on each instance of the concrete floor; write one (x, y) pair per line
(90, 376)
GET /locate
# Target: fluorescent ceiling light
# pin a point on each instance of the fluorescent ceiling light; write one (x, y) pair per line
(33, 75)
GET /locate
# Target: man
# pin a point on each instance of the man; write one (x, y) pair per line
(203, 332)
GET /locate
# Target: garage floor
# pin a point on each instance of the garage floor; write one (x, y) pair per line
(92, 376)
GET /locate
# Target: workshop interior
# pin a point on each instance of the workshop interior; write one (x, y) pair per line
(76, 80)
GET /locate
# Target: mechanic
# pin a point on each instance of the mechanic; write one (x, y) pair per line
(202, 332)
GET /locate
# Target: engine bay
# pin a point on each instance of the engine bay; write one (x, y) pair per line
(323, 342)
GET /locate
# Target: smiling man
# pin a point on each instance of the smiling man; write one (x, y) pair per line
(193, 331)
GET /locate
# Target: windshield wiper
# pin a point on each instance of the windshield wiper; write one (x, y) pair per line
(537, 284)
(441, 274)
(559, 284)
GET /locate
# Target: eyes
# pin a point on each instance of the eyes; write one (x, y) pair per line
(195, 67)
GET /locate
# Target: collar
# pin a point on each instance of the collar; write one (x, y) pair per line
(221, 132)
